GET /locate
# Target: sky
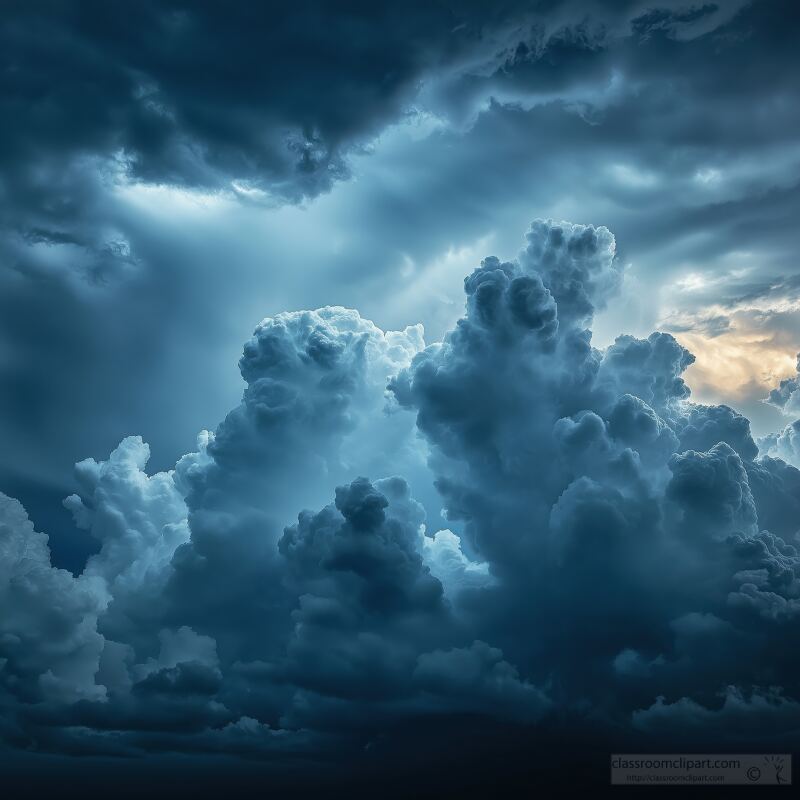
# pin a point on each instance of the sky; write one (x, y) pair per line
(361, 363)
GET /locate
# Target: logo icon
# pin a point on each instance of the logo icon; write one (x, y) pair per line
(776, 762)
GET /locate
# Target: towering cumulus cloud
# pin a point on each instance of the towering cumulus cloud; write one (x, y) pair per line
(624, 524)
(618, 558)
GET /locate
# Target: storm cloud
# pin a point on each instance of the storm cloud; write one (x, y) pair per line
(537, 492)
(618, 556)
(147, 146)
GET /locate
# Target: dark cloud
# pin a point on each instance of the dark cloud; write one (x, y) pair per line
(621, 557)
(704, 426)
(576, 482)
(616, 112)
(191, 95)
(186, 93)
(621, 562)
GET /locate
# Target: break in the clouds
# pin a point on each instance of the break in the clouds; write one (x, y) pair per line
(565, 510)
(619, 558)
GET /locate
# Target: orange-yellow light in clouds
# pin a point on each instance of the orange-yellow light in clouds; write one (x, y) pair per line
(735, 365)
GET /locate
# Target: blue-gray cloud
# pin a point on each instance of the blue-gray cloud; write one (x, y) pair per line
(617, 558)
(615, 112)
(622, 558)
